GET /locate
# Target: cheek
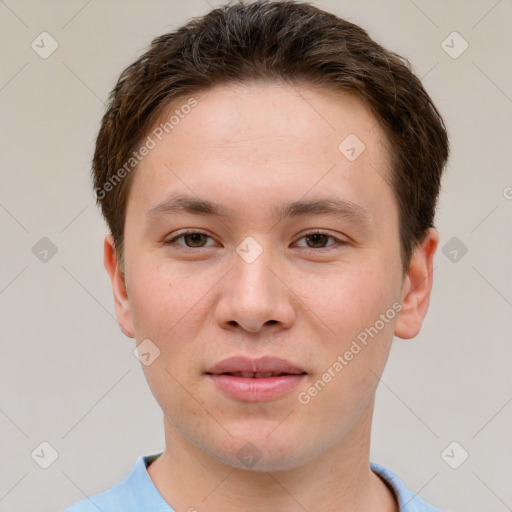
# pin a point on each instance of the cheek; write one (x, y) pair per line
(352, 299)
(346, 383)
(151, 300)
(164, 299)
(361, 309)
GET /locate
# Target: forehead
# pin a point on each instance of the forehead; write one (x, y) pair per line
(261, 112)
(265, 139)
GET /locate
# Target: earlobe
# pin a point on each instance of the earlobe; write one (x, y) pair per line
(417, 287)
(121, 299)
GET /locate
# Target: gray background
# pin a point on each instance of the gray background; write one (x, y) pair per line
(68, 375)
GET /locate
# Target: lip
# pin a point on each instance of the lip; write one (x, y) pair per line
(226, 375)
(264, 364)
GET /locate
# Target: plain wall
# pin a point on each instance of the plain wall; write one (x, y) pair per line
(68, 375)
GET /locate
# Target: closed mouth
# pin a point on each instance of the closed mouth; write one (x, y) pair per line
(257, 375)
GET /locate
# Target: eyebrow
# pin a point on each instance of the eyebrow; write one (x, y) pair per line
(335, 207)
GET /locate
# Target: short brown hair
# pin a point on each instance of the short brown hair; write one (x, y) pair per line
(288, 41)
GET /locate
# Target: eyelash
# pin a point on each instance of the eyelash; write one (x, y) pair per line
(338, 242)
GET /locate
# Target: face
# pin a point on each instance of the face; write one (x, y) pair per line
(262, 261)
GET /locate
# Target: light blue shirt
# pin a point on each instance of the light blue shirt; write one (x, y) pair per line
(138, 493)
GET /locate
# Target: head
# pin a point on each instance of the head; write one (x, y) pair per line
(311, 158)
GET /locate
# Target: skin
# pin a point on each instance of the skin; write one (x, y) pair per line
(252, 147)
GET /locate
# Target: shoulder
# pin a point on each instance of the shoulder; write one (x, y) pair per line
(110, 500)
(408, 500)
(136, 493)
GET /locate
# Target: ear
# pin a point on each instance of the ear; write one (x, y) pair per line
(121, 300)
(417, 287)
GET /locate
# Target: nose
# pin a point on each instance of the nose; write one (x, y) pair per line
(255, 295)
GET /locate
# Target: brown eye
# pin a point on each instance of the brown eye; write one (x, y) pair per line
(317, 240)
(194, 239)
(191, 239)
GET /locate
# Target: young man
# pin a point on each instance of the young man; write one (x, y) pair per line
(269, 175)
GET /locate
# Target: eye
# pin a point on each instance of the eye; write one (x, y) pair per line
(198, 239)
(318, 240)
(192, 239)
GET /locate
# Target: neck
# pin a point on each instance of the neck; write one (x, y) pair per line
(338, 479)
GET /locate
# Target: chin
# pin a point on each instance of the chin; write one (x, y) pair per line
(264, 462)
(261, 454)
